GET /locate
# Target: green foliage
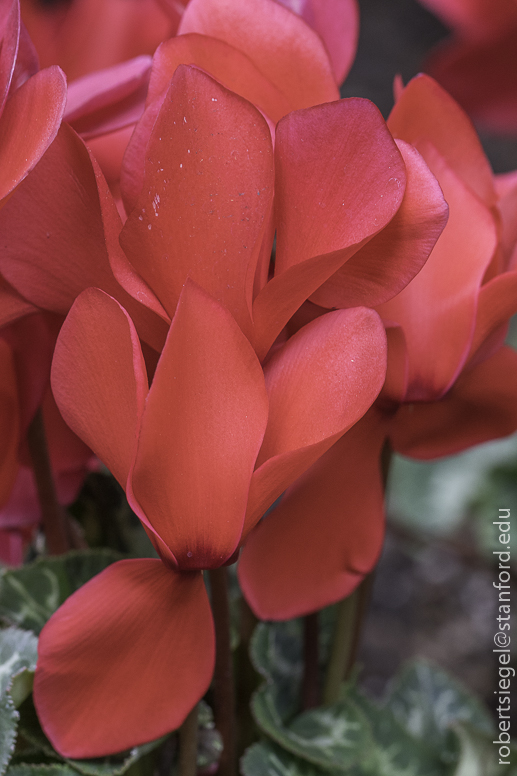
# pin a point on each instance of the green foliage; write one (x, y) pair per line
(31, 594)
(427, 724)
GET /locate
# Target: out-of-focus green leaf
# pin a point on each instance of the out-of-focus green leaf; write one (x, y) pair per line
(40, 769)
(267, 759)
(276, 653)
(31, 594)
(477, 753)
(209, 742)
(393, 751)
(427, 703)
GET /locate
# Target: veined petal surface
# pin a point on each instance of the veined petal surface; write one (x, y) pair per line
(386, 264)
(279, 43)
(316, 546)
(207, 195)
(29, 124)
(479, 407)
(319, 384)
(124, 660)
(99, 379)
(437, 310)
(425, 113)
(201, 431)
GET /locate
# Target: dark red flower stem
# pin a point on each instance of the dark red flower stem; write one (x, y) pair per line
(53, 517)
(187, 763)
(310, 682)
(224, 692)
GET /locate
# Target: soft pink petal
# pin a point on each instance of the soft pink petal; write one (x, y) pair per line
(326, 534)
(437, 310)
(425, 113)
(282, 47)
(200, 435)
(29, 124)
(9, 422)
(482, 77)
(99, 379)
(206, 198)
(482, 405)
(340, 179)
(337, 23)
(124, 660)
(319, 384)
(109, 99)
(9, 35)
(386, 264)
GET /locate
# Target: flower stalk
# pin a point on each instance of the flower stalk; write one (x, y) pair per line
(187, 763)
(224, 693)
(53, 517)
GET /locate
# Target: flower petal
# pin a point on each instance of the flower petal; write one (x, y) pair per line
(339, 180)
(482, 77)
(479, 407)
(207, 195)
(200, 434)
(279, 43)
(29, 124)
(386, 264)
(124, 659)
(337, 23)
(437, 309)
(425, 112)
(319, 384)
(9, 422)
(99, 382)
(326, 534)
(109, 99)
(9, 35)
(12, 305)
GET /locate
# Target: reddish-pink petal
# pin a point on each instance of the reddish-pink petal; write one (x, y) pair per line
(496, 304)
(482, 77)
(337, 23)
(319, 384)
(482, 405)
(340, 179)
(57, 231)
(29, 124)
(124, 659)
(109, 99)
(474, 19)
(201, 431)
(88, 35)
(386, 264)
(228, 65)
(206, 198)
(326, 534)
(9, 35)
(32, 340)
(27, 63)
(51, 228)
(12, 305)
(279, 43)
(99, 380)
(425, 113)
(9, 422)
(437, 309)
